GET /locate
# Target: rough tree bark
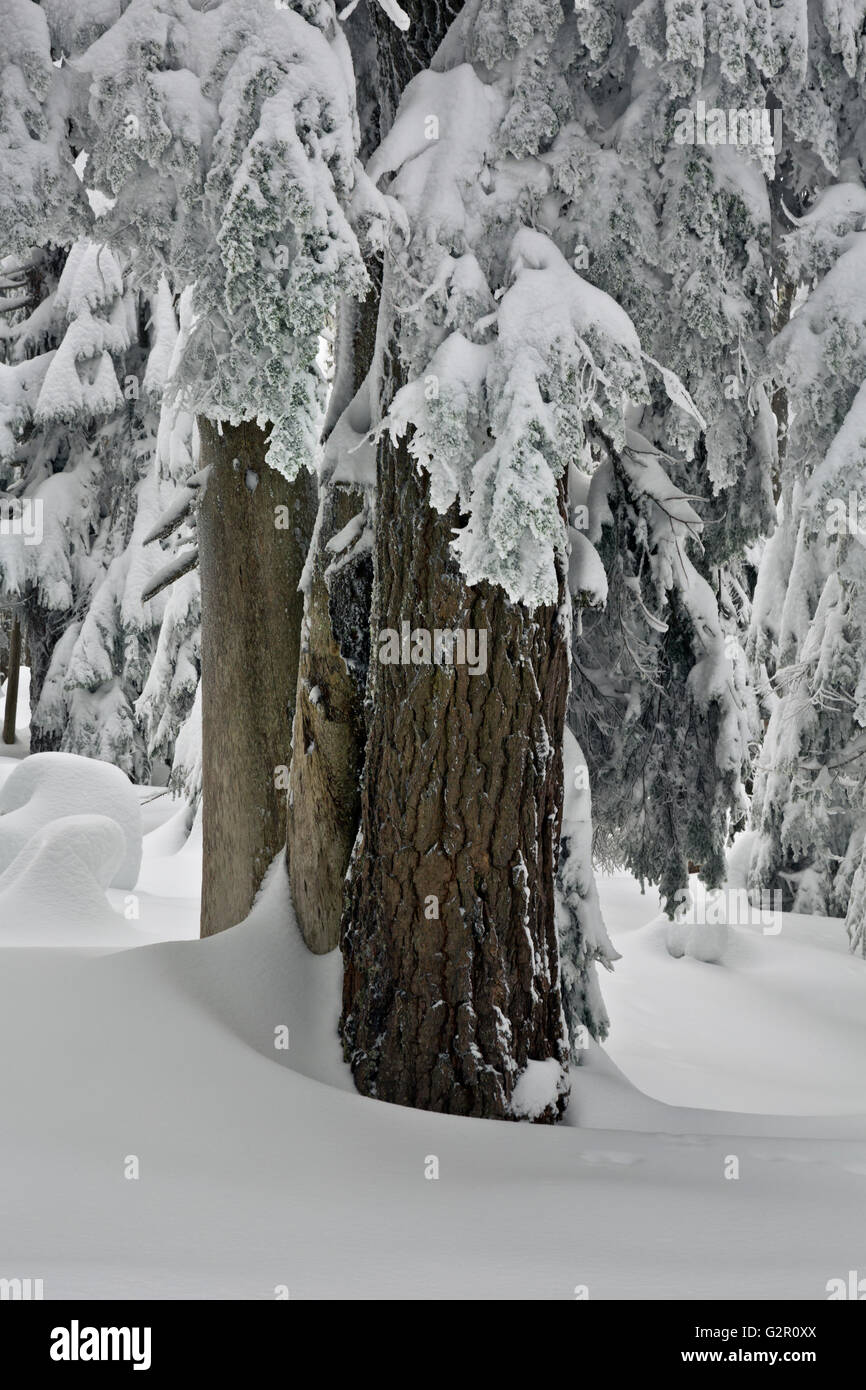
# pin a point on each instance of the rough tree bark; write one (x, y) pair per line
(401, 54)
(14, 667)
(251, 620)
(451, 981)
(329, 731)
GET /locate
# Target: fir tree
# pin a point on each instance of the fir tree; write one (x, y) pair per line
(80, 411)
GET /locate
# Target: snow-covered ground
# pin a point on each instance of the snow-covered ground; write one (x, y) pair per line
(261, 1169)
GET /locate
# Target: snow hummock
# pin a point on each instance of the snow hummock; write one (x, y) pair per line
(538, 1089)
(60, 876)
(48, 786)
(778, 1028)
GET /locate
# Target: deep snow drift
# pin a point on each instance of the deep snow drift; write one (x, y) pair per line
(261, 1169)
(48, 787)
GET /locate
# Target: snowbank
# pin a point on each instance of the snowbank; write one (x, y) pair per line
(778, 1028)
(260, 1169)
(58, 880)
(217, 1065)
(50, 786)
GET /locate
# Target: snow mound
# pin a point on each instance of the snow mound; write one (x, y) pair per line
(52, 786)
(730, 1036)
(538, 1089)
(706, 941)
(171, 1052)
(59, 878)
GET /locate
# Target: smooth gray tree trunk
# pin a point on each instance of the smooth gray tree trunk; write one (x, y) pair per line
(251, 622)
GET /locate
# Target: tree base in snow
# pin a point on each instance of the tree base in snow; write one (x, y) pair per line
(251, 622)
(452, 978)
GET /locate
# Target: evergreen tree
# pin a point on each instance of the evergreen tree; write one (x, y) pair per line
(224, 138)
(169, 706)
(80, 410)
(809, 619)
(328, 741)
(553, 431)
(503, 364)
(676, 227)
(806, 642)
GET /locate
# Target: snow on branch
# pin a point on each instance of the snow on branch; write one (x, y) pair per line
(180, 565)
(227, 138)
(509, 415)
(515, 369)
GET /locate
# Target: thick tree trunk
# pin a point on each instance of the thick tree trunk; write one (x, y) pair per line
(329, 733)
(10, 715)
(251, 564)
(402, 54)
(451, 980)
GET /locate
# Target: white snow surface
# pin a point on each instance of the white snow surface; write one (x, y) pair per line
(48, 786)
(262, 1167)
(59, 879)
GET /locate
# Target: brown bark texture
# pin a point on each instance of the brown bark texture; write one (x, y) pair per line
(451, 980)
(329, 730)
(451, 961)
(328, 734)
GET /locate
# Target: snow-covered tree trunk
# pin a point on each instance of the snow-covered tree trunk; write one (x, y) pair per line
(327, 754)
(452, 985)
(10, 713)
(403, 52)
(452, 996)
(251, 563)
(328, 733)
(329, 730)
(6, 621)
(451, 981)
